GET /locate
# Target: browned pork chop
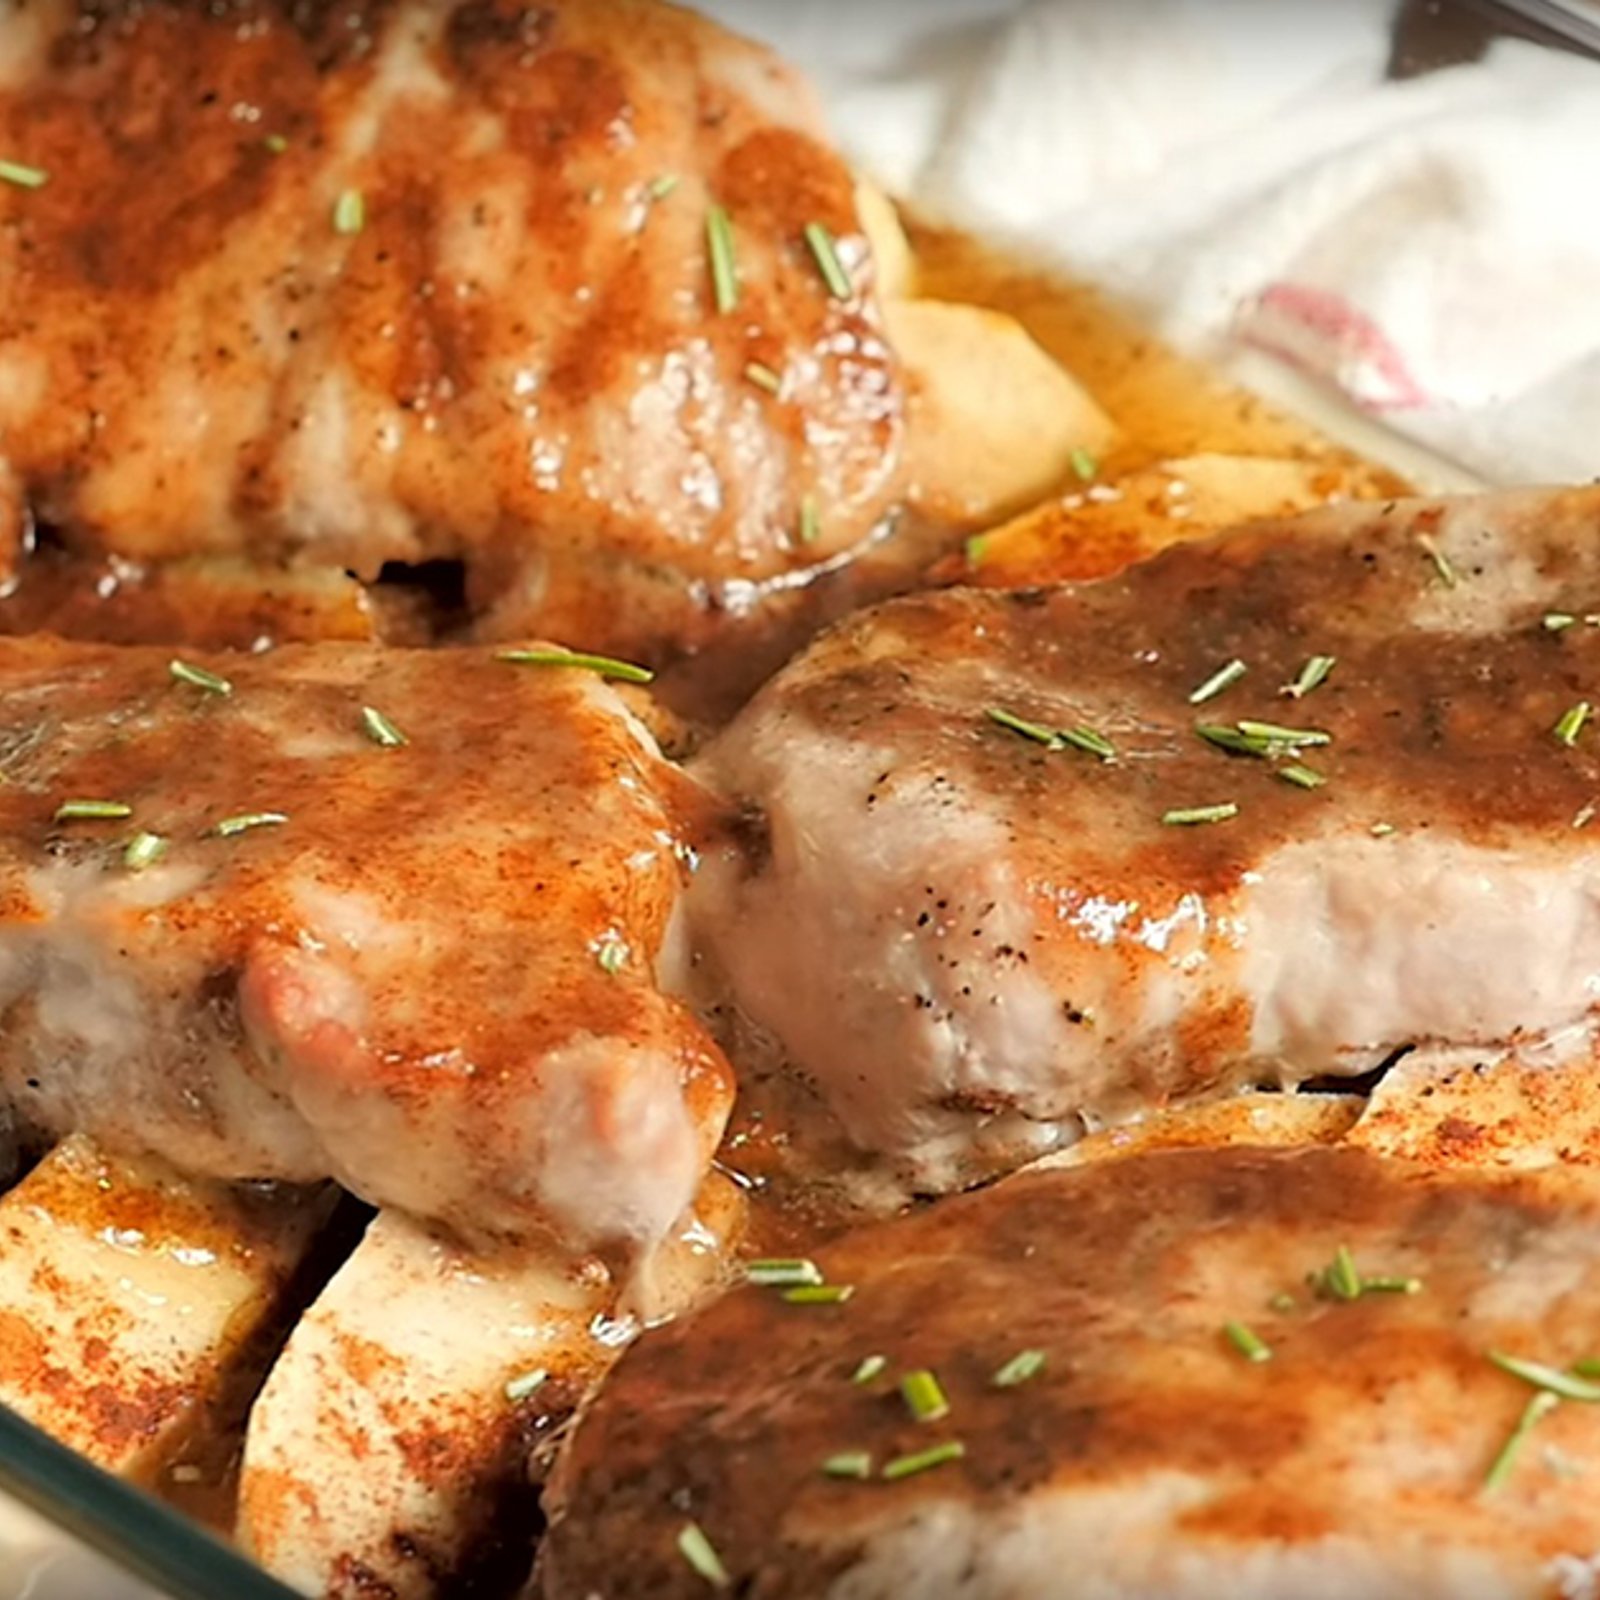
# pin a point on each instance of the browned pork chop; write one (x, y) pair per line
(1137, 1451)
(366, 282)
(432, 970)
(974, 944)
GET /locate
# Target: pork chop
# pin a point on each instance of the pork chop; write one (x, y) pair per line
(575, 292)
(975, 935)
(1148, 1396)
(403, 919)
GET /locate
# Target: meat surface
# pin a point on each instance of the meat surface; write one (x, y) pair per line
(1147, 1455)
(973, 945)
(439, 977)
(434, 281)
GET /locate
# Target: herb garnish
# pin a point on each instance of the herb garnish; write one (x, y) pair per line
(782, 1274)
(612, 955)
(381, 730)
(275, 144)
(819, 1294)
(528, 1383)
(1569, 1385)
(92, 811)
(143, 850)
(701, 1554)
(1019, 1369)
(350, 213)
(763, 377)
(1342, 1280)
(1084, 464)
(1312, 676)
(848, 1464)
(810, 520)
(199, 677)
(1248, 1343)
(924, 1399)
(724, 266)
(1224, 677)
(664, 185)
(825, 251)
(1441, 562)
(229, 826)
(606, 666)
(1086, 739)
(22, 176)
(935, 1456)
(1556, 621)
(871, 1367)
(1566, 731)
(1195, 816)
(1536, 1410)
(1302, 777)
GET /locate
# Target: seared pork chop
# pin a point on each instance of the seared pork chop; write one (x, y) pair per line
(253, 932)
(974, 943)
(425, 280)
(1135, 1448)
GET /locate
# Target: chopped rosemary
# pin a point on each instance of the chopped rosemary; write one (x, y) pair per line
(1088, 741)
(22, 176)
(1566, 731)
(528, 1383)
(1588, 1367)
(606, 666)
(763, 377)
(1584, 815)
(612, 955)
(810, 520)
(782, 1274)
(1312, 676)
(974, 549)
(92, 811)
(664, 185)
(1019, 1369)
(1274, 733)
(275, 144)
(1194, 816)
(381, 730)
(1569, 1385)
(1556, 621)
(825, 251)
(871, 1367)
(1248, 1343)
(143, 850)
(923, 1460)
(819, 1294)
(1391, 1285)
(701, 1554)
(1536, 1410)
(187, 672)
(1029, 730)
(924, 1399)
(1302, 777)
(1224, 677)
(848, 1464)
(1230, 739)
(1084, 464)
(229, 826)
(350, 213)
(1381, 830)
(1441, 562)
(1340, 1279)
(1283, 1304)
(724, 266)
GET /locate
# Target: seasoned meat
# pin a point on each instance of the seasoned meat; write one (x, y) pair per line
(437, 978)
(972, 944)
(1142, 1453)
(376, 282)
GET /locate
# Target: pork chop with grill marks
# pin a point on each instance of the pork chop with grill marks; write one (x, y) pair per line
(972, 944)
(432, 281)
(1138, 1450)
(435, 970)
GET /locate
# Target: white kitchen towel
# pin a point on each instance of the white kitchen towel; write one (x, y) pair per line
(1242, 170)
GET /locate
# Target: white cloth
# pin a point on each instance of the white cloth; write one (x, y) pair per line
(1242, 171)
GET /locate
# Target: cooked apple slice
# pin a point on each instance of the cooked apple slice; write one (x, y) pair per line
(892, 258)
(392, 1439)
(993, 422)
(133, 1301)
